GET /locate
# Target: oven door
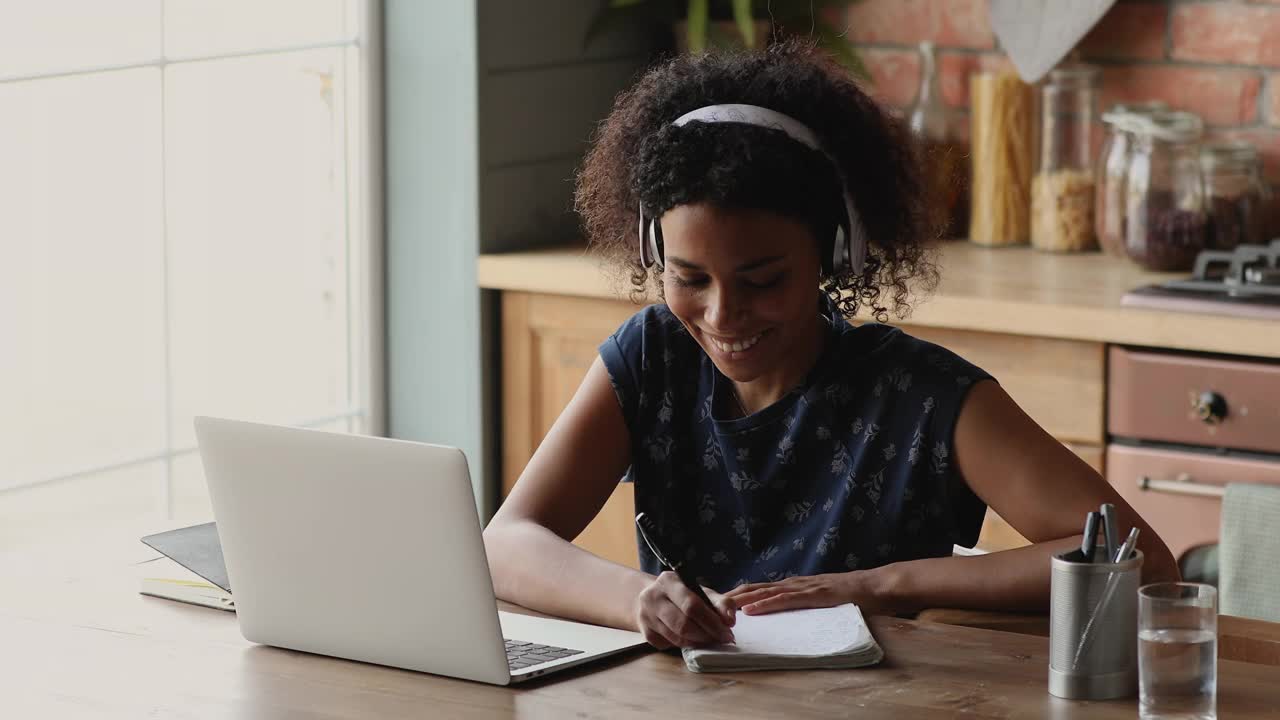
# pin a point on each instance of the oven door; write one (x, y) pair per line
(1179, 492)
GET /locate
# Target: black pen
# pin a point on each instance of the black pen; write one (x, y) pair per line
(649, 531)
(1110, 530)
(1088, 544)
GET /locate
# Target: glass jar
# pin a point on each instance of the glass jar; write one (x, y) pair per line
(1165, 218)
(1062, 189)
(1001, 115)
(1237, 198)
(946, 163)
(1113, 161)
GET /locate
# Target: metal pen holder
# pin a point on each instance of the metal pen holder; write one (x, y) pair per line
(1093, 658)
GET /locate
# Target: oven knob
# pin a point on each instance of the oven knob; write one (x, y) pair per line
(1210, 407)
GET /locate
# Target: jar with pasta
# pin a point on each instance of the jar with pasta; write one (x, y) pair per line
(1001, 111)
(1113, 163)
(1165, 220)
(1062, 187)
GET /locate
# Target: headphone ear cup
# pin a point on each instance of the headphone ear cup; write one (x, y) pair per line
(655, 242)
(646, 256)
(839, 261)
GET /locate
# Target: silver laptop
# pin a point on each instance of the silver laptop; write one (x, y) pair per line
(370, 549)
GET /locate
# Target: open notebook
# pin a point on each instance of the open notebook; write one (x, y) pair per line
(835, 637)
(164, 578)
(192, 570)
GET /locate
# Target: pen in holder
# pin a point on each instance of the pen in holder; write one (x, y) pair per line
(1108, 591)
(1093, 627)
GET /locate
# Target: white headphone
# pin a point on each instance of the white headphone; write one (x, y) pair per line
(850, 246)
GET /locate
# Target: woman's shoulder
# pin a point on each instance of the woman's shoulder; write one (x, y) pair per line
(651, 338)
(890, 349)
(648, 360)
(653, 317)
(652, 325)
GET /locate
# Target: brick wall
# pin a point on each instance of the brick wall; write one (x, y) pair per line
(1218, 58)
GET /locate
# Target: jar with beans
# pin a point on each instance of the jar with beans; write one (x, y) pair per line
(1166, 222)
(1237, 196)
(1109, 175)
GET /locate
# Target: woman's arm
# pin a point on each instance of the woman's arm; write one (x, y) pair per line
(568, 480)
(1035, 483)
(1042, 489)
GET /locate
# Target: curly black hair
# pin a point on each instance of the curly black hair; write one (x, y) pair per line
(639, 157)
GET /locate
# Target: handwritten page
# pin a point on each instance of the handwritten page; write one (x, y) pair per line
(818, 638)
(822, 631)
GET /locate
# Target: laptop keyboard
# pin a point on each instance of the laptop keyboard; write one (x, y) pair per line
(521, 655)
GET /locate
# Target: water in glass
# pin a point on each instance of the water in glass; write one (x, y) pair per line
(1178, 674)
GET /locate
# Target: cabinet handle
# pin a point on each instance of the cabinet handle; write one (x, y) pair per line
(1208, 407)
(1184, 485)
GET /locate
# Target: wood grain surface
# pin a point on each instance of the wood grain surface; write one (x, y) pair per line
(1006, 290)
(78, 642)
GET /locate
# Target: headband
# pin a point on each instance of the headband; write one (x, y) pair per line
(856, 245)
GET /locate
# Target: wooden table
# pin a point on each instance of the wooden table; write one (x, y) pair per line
(84, 644)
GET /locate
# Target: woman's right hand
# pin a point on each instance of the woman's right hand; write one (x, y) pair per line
(670, 615)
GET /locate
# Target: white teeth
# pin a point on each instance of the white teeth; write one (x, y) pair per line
(737, 346)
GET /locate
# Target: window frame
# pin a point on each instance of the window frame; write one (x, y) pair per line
(364, 164)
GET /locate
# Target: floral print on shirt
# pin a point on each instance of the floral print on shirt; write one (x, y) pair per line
(851, 470)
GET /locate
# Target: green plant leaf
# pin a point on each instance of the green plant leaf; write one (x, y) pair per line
(746, 23)
(697, 20)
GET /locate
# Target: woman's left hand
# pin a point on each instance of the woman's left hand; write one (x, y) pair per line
(810, 591)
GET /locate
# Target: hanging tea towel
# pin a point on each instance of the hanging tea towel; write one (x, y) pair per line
(1250, 552)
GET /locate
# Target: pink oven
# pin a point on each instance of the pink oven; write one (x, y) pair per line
(1182, 427)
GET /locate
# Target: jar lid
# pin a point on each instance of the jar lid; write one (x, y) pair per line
(1139, 108)
(1074, 74)
(1121, 120)
(1228, 153)
(1169, 125)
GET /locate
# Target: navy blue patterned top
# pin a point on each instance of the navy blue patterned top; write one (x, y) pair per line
(850, 470)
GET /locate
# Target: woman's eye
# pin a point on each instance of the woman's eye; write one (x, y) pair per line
(766, 283)
(689, 282)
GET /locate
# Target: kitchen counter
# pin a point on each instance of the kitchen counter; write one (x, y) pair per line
(1003, 290)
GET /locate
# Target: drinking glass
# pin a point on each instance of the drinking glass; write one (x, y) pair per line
(1178, 651)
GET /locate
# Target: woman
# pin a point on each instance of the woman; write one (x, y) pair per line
(794, 459)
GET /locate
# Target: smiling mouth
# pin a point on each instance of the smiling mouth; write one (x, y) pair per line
(736, 346)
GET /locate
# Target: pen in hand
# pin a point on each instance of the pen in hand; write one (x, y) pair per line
(649, 531)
